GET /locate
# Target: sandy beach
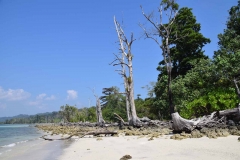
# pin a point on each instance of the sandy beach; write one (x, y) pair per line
(114, 148)
(36, 150)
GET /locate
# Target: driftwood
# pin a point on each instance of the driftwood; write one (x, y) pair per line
(51, 139)
(88, 133)
(234, 111)
(180, 124)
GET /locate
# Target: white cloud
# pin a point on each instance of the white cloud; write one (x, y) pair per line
(52, 97)
(41, 96)
(71, 94)
(13, 95)
(40, 99)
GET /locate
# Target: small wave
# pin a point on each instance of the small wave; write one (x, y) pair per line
(13, 144)
(22, 142)
(9, 145)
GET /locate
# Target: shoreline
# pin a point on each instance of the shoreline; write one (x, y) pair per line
(33, 148)
(37, 150)
(110, 148)
(139, 143)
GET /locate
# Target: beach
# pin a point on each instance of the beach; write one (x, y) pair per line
(150, 146)
(114, 148)
(23, 142)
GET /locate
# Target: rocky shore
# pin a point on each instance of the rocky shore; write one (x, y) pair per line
(152, 131)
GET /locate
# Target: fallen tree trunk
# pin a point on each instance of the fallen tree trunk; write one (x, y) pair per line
(88, 133)
(234, 111)
(180, 124)
(52, 139)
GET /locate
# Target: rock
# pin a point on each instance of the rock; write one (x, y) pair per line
(145, 119)
(177, 137)
(231, 123)
(212, 135)
(130, 128)
(150, 139)
(196, 134)
(99, 139)
(126, 157)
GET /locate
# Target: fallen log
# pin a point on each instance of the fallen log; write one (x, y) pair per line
(99, 132)
(180, 124)
(88, 133)
(234, 111)
(52, 139)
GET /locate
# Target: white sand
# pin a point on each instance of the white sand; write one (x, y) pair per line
(113, 148)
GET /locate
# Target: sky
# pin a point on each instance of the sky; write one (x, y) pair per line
(53, 51)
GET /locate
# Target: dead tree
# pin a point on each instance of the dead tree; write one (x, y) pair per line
(125, 60)
(236, 85)
(163, 32)
(100, 119)
(180, 124)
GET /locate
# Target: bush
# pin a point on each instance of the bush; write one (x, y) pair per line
(219, 99)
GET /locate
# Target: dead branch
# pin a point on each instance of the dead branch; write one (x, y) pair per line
(118, 117)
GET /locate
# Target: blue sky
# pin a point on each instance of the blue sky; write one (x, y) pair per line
(52, 51)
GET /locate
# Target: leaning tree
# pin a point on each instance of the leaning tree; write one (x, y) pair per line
(125, 61)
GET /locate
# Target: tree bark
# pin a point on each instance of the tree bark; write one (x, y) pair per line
(99, 112)
(234, 111)
(181, 124)
(238, 91)
(163, 31)
(100, 119)
(125, 48)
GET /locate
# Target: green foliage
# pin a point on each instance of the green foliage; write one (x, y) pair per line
(69, 113)
(145, 108)
(227, 58)
(187, 47)
(169, 4)
(53, 117)
(218, 99)
(91, 115)
(113, 102)
(161, 100)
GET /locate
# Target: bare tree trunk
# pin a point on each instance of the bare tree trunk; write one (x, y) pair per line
(128, 109)
(100, 119)
(99, 111)
(163, 31)
(170, 95)
(131, 91)
(238, 91)
(128, 80)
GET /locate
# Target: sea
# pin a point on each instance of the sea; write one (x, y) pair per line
(22, 141)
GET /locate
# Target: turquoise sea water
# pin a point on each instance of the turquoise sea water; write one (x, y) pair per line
(22, 141)
(12, 135)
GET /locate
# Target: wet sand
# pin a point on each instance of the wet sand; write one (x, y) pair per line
(113, 148)
(36, 150)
